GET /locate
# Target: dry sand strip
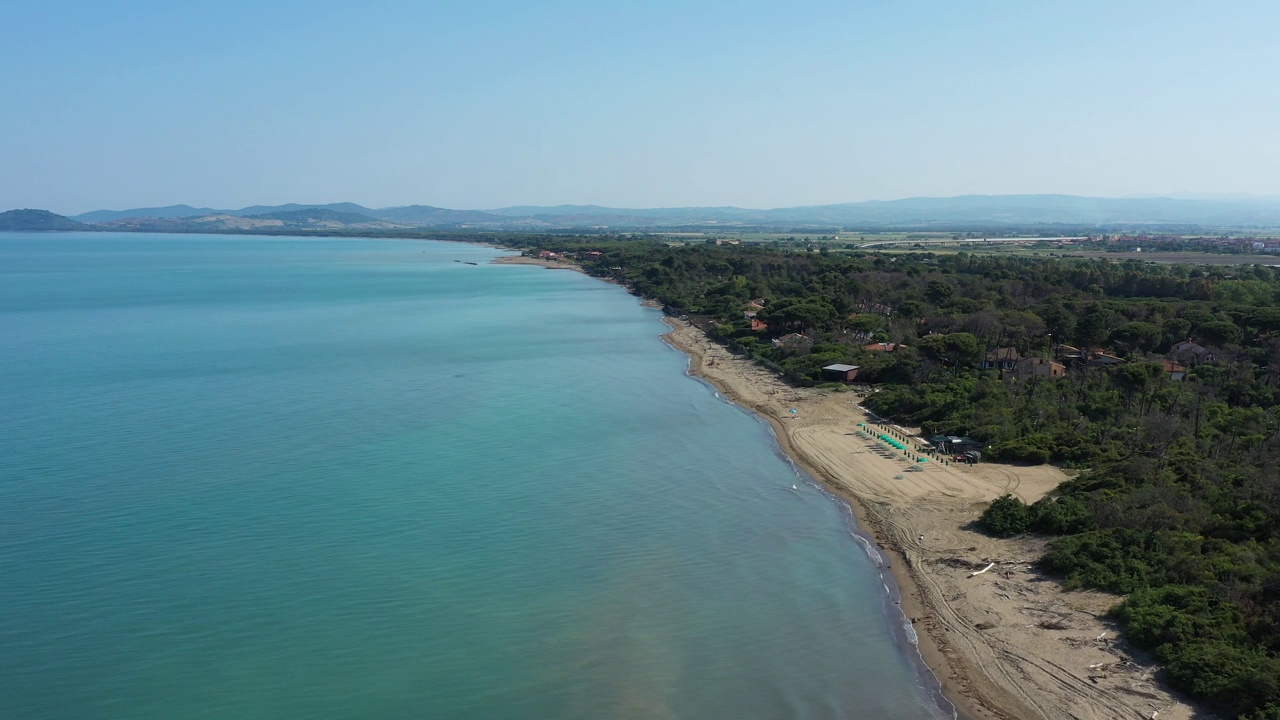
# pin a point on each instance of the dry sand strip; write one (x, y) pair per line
(540, 262)
(1005, 642)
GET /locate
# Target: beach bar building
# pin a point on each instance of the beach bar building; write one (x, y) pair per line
(953, 445)
(840, 373)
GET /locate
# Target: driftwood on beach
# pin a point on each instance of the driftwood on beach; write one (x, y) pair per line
(975, 574)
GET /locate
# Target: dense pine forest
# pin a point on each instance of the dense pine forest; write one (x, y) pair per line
(1159, 382)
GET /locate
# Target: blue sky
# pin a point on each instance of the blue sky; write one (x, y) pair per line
(760, 104)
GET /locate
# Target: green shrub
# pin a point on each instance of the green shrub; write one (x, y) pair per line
(1113, 560)
(1236, 678)
(1019, 451)
(1064, 515)
(1007, 516)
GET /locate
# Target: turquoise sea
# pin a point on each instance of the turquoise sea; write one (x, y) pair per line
(248, 477)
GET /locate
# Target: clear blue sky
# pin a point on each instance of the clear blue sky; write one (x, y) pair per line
(762, 104)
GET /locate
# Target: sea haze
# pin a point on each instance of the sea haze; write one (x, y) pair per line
(301, 478)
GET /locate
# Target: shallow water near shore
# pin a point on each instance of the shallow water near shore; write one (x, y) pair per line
(329, 478)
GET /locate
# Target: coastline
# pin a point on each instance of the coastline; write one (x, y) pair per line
(1012, 669)
(526, 260)
(1008, 643)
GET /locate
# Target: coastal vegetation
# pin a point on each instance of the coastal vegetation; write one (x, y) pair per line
(1166, 400)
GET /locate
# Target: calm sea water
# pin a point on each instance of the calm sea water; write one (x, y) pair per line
(298, 478)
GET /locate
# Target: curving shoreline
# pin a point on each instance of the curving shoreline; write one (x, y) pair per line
(1007, 644)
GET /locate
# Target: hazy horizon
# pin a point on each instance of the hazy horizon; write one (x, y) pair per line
(497, 104)
(1242, 197)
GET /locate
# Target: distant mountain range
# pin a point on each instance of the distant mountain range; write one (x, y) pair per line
(306, 218)
(991, 212)
(171, 211)
(342, 213)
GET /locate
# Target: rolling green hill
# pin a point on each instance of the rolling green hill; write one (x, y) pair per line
(37, 220)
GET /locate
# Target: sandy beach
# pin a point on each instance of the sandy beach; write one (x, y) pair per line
(1006, 643)
(526, 260)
